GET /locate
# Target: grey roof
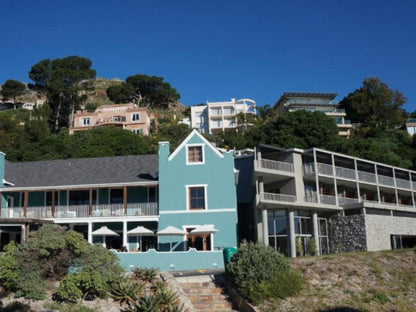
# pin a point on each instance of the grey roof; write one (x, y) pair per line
(83, 171)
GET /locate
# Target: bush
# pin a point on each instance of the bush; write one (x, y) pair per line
(284, 284)
(253, 264)
(8, 268)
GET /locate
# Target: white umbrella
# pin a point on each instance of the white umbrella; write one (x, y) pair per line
(171, 231)
(204, 230)
(140, 231)
(104, 231)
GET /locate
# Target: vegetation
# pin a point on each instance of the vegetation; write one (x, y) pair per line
(31, 268)
(148, 91)
(11, 89)
(255, 268)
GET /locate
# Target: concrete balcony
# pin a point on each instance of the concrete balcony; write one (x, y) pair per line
(82, 211)
(275, 165)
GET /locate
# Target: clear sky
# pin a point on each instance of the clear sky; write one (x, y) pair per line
(214, 50)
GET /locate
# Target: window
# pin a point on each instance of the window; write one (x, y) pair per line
(85, 121)
(137, 131)
(195, 154)
(196, 198)
(135, 117)
(200, 242)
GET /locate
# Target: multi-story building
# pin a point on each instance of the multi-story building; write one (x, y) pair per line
(411, 126)
(341, 202)
(174, 211)
(323, 102)
(219, 116)
(127, 116)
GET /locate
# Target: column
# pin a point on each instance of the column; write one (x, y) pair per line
(334, 172)
(53, 203)
(125, 200)
(315, 229)
(125, 243)
(265, 227)
(292, 236)
(23, 230)
(378, 186)
(25, 200)
(90, 232)
(90, 203)
(395, 187)
(358, 180)
(318, 196)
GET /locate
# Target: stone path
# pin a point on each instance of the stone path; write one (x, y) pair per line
(206, 292)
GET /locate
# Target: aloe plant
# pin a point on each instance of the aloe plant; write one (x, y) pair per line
(127, 292)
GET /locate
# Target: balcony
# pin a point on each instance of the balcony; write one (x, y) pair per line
(403, 183)
(345, 201)
(83, 211)
(345, 173)
(277, 197)
(367, 177)
(275, 165)
(385, 180)
(325, 199)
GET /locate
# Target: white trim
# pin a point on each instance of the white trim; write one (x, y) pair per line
(80, 186)
(202, 151)
(185, 142)
(6, 182)
(205, 186)
(197, 211)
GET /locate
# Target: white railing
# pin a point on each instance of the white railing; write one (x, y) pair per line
(345, 173)
(385, 180)
(403, 183)
(328, 199)
(367, 177)
(414, 185)
(309, 168)
(82, 211)
(311, 198)
(325, 169)
(39, 212)
(276, 165)
(278, 197)
(344, 201)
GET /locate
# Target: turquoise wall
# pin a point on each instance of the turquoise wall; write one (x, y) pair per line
(217, 173)
(172, 261)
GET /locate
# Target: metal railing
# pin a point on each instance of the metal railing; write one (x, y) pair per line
(276, 165)
(344, 201)
(278, 197)
(82, 211)
(367, 177)
(328, 199)
(385, 180)
(403, 183)
(345, 173)
(325, 169)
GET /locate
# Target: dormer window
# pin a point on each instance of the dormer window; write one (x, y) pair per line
(195, 154)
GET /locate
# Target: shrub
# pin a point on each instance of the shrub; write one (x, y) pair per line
(126, 291)
(283, 284)
(9, 274)
(312, 247)
(146, 274)
(253, 264)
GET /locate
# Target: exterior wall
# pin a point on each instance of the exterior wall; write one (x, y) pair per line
(347, 233)
(172, 261)
(380, 228)
(199, 118)
(103, 114)
(216, 174)
(2, 197)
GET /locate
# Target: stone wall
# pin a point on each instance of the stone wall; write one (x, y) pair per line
(347, 233)
(380, 228)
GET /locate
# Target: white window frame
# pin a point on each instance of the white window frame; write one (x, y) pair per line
(133, 118)
(84, 121)
(187, 187)
(203, 154)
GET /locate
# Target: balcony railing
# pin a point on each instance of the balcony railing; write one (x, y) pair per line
(82, 211)
(344, 201)
(278, 197)
(367, 177)
(325, 199)
(385, 180)
(325, 169)
(402, 183)
(345, 173)
(276, 165)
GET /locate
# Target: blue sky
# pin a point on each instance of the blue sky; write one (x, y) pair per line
(214, 50)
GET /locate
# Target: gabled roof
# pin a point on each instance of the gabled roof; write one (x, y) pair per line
(192, 134)
(83, 171)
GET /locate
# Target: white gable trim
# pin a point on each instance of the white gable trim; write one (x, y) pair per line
(183, 144)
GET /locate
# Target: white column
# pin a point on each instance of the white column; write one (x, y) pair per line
(315, 228)
(23, 238)
(395, 187)
(292, 236)
(265, 227)
(335, 179)
(378, 186)
(90, 232)
(318, 196)
(125, 244)
(358, 180)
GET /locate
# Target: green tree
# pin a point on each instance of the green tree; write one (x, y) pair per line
(149, 91)
(61, 80)
(375, 105)
(11, 89)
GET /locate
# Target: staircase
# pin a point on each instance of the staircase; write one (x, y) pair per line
(206, 292)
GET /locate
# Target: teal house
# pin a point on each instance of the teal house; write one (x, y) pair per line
(173, 211)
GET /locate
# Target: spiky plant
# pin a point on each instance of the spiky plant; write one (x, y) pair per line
(167, 298)
(146, 274)
(127, 292)
(148, 303)
(177, 308)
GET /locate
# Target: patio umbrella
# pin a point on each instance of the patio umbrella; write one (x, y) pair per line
(204, 230)
(171, 231)
(104, 231)
(140, 231)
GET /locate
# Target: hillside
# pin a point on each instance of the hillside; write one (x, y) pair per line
(358, 282)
